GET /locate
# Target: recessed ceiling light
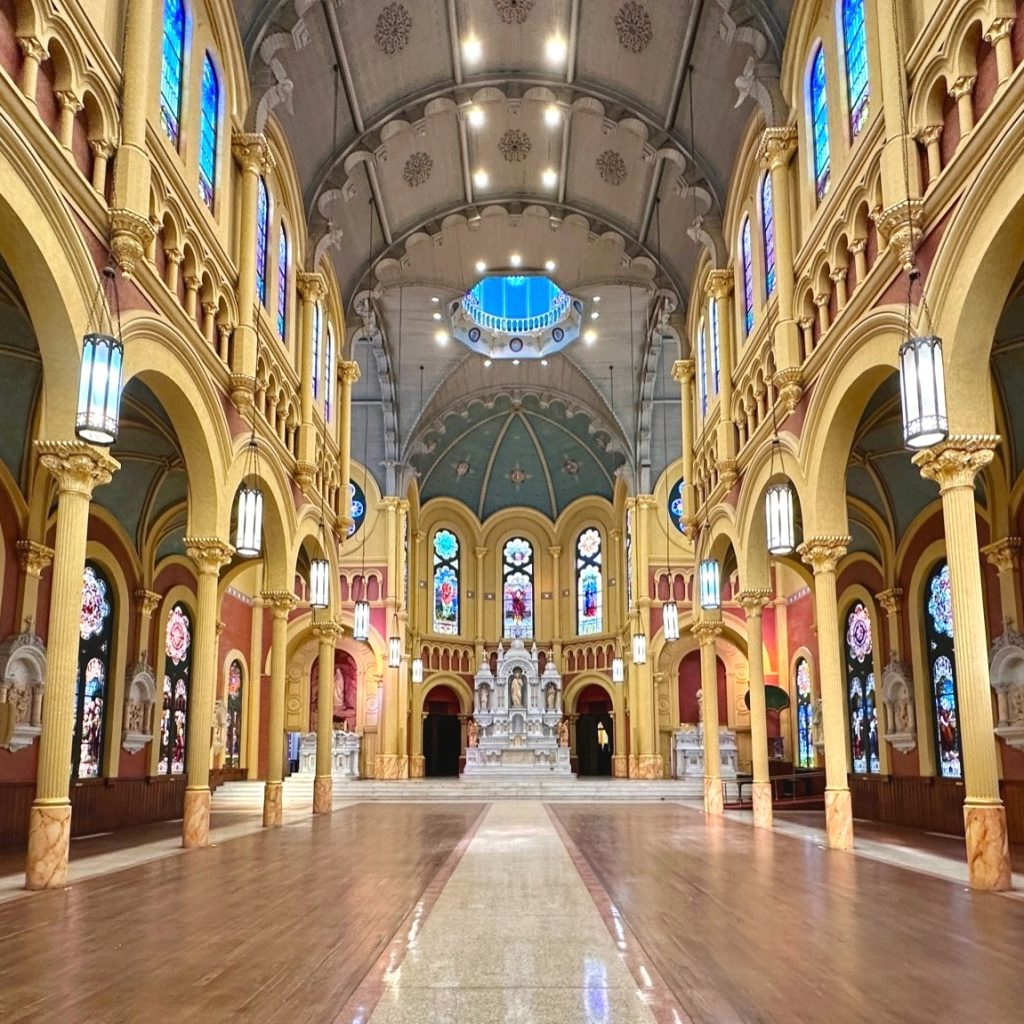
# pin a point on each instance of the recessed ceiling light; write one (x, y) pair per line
(472, 49)
(480, 266)
(481, 178)
(552, 116)
(441, 337)
(590, 337)
(515, 259)
(549, 177)
(543, 362)
(549, 266)
(434, 299)
(487, 362)
(515, 362)
(555, 50)
(437, 316)
(475, 116)
(594, 315)
(597, 298)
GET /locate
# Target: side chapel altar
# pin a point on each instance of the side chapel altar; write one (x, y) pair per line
(518, 726)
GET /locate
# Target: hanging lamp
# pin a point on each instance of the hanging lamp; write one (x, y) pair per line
(922, 381)
(101, 371)
(394, 644)
(710, 585)
(618, 670)
(778, 504)
(639, 642)
(417, 670)
(249, 530)
(361, 617)
(320, 568)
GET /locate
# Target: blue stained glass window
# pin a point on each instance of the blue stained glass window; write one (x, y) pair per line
(858, 86)
(588, 583)
(675, 505)
(860, 691)
(329, 374)
(702, 380)
(209, 114)
(746, 253)
(938, 628)
(768, 227)
(357, 507)
(446, 583)
(233, 739)
(517, 588)
(819, 124)
(318, 326)
(177, 686)
(282, 283)
(716, 355)
(804, 715)
(95, 634)
(173, 68)
(262, 231)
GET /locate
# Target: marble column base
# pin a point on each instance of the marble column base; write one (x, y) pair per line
(713, 802)
(620, 767)
(195, 825)
(649, 766)
(762, 804)
(49, 839)
(988, 852)
(634, 766)
(272, 805)
(323, 794)
(839, 819)
(417, 766)
(391, 766)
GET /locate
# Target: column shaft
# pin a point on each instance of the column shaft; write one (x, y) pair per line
(707, 633)
(281, 603)
(348, 374)
(323, 784)
(754, 601)
(683, 371)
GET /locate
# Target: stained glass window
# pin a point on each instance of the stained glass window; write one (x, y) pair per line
(588, 583)
(177, 677)
(233, 742)
(209, 114)
(675, 505)
(819, 124)
(329, 374)
(629, 558)
(747, 256)
(357, 507)
(716, 355)
(768, 228)
(262, 232)
(173, 69)
(517, 588)
(318, 327)
(95, 632)
(938, 628)
(446, 583)
(702, 380)
(858, 87)
(860, 691)
(804, 715)
(282, 284)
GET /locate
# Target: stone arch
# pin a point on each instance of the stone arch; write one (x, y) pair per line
(458, 686)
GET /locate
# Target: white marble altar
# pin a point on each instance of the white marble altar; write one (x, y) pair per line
(517, 715)
(345, 752)
(688, 746)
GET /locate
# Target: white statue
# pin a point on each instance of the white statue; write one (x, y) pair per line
(517, 689)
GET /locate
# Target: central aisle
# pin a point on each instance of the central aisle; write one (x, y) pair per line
(514, 937)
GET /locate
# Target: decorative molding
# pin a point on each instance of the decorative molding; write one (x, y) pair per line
(898, 699)
(633, 25)
(417, 169)
(139, 704)
(22, 682)
(611, 167)
(1006, 670)
(514, 12)
(514, 145)
(394, 26)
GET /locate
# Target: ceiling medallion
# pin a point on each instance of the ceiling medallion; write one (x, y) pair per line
(518, 476)
(394, 23)
(571, 467)
(514, 145)
(514, 12)
(417, 169)
(633, 24)
(611, 167)
(462, 468)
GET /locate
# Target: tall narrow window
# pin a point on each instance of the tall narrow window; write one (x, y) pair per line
(177, 680)
(819, 124)
(589, 618)
(702, 379)
(747, 256)
(938, 628)
(262, 231)
(860, 691)
(282, 284)
(517, 588)
(629, 558)
(446, 583)
(95, 631)
(209, 114)
(855, 45)
(329, 374)
(318, 327)
(173, 70)
(233, 742)
(804, 715)
(716, 354)
(768, 229)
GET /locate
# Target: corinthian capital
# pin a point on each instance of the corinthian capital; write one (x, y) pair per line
(777, 147)
(753, 602)
(707, 631)
(252, 151)
(822, 554)
(720, 283)
(33, 557)
(77, 467)
(312, 287)
(348, 371)
(210, 554)
(1003, 554)
(955, 462)
(683, 371)
(280, 602)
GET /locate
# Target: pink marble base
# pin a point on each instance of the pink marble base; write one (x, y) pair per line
(762, 804)
(49, 838)
(634, 766)
(649, 766)
(620, 766)
(417, 767)
(713, 803)
(323, 792)
(272, 805)
(988, 853)
(391, 766)
(195, 825)
(839, 819)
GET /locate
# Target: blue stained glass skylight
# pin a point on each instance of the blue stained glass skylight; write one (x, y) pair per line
(516, 303)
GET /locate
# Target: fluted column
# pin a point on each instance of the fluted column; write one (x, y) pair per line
(210, 555)
(1005, 556)
(280, 602)
(719, 290)
(707, 632)
(556, 626)
(391, 762)
(649, 761)
(312, 288)
(78, 469)
(33, 559)
(823, 554)
(478, 589)
(251, 734)
(683, 371)
(323, 784)
(348, 374)
(953, 465)
(753, 603)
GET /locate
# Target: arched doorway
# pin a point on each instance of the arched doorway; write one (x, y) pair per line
(595, 732)
(442, 733)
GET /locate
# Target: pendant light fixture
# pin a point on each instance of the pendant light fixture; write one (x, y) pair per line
(778, 502)
(394, 644)
(320, 568)
(249, 529)
(618, 670)
(417, 670)
(710, 585)
(639, 644)
(101, 371)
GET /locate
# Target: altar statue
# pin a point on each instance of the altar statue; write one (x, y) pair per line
(474, 732)
(485, 698)
(563, 733)
(549, 697)
(517, 689)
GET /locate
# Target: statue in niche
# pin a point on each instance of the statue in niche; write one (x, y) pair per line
(901, 712)
(516, 688)
(136, 716)
(21, 698)
(563, 733)
(700, 707)
(1016, 705)
(473, 731)
(549, 697)
(485, 698)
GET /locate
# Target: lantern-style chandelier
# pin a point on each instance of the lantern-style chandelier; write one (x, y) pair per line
(394, 644)
(417, 670)
(670, 618)
(319, 567)
(778, 508)
(639, 642)
(710, 585)
(101, 372)
(361, 616)
(249, 530)
(922, 381)
(618, 670)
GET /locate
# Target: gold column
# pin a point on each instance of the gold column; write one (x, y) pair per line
(890, 600)
(953, 465)
(707, 632)
(312, 288)
(753, 603)
(478, 589)
(822, 554)
(252, 151)
(774, 154)
(209, 554)
(255, 686)
(348, 374)
(719, 290)
(70, 105)
(615, 573)
(281, 603)
(78, 469)
(33, 558)
(649, 764)
(998, 36)
(1005, 556)
(390, 764)
(683, 371)
(33, 54)
(556, 626)
(323, 783)
(402, 672)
